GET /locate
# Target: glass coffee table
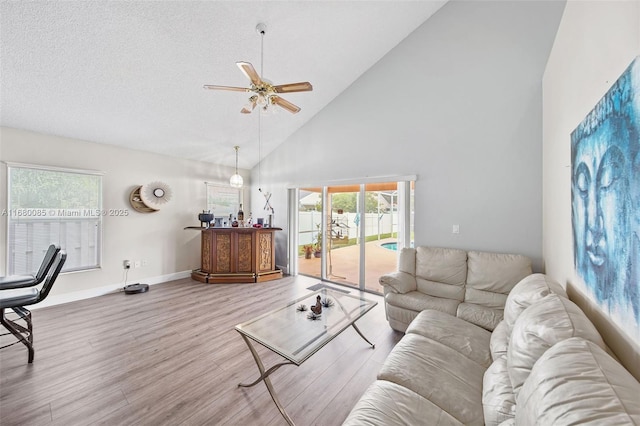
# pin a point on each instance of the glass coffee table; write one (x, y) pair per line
(292, 334)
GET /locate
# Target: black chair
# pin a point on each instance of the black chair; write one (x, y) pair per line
(17, 299)
(19, 281)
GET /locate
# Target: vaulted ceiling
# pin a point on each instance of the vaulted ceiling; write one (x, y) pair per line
(130, 73)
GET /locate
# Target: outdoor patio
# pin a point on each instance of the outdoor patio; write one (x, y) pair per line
(343, 264)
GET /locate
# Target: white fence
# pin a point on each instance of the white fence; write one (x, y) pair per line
(346, 225)
(30, 238)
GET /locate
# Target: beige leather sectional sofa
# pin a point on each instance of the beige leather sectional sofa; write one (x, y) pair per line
(470, 285)
(543, 364)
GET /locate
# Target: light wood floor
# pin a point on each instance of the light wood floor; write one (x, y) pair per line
(172, 357)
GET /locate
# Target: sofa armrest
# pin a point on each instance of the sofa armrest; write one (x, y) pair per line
(398, 282)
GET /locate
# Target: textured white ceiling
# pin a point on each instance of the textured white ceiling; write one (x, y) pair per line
(130, 73)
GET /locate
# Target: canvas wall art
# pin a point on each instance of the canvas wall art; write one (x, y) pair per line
(605, 193)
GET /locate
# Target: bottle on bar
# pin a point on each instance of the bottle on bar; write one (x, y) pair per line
(240, 214)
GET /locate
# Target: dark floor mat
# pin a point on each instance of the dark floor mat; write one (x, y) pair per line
(320, 286)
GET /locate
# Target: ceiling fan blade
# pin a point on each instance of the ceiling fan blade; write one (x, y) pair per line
(304, 86)
(285, 104)
(230, 88)
(251, 73)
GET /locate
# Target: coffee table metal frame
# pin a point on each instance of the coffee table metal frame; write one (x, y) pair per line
(289, 333)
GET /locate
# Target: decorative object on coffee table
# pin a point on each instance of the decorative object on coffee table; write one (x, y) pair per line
(327, 303)
(317, 308)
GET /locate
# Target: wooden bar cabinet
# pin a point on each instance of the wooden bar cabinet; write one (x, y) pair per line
(237, 255)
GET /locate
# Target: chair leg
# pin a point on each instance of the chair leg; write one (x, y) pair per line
(24, 335)
(25, 314)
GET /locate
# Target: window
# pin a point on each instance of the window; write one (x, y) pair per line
(223, 201)
(49, 205)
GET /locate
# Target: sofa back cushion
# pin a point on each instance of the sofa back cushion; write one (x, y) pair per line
(498, 401)
(407, 260)
(441, 272)
(491, 276)
(499, 341)
(576, 382)
(483, 316)
(528, 291)
(539, 327)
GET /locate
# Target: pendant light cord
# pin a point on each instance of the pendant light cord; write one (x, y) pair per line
(259, 156)
(237, 158)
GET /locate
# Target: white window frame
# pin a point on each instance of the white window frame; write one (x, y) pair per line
(93, 214)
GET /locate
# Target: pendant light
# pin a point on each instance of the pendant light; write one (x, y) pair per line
(236, 179)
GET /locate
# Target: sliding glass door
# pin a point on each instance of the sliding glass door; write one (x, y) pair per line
(350, 234)
(309, 246)
(343, 245)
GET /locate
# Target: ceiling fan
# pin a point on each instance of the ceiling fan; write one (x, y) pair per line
(263, 93)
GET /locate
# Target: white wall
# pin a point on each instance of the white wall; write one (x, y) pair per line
(458, 103)
(596, 42)
(158, 238)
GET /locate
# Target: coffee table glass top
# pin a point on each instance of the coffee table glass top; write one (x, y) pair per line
(288, 332)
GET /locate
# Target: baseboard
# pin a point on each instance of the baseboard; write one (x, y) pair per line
(59, 299)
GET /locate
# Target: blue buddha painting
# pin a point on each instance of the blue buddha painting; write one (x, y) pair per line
(605, 200)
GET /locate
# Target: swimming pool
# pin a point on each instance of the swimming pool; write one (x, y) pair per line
(392, 246)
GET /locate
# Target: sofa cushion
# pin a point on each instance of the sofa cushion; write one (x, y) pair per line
(467, 339)
(482, 316)
(407, 260)
(499, 340)
(438, 373)
(437, 289)
(576, 382)
(543, 324)
(494, 272)
(485, 298)
(440, 265)
(529, 290)
(387, 403)
(498, 400)
(417, 301)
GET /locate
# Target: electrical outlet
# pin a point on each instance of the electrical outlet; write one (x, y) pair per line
(126, 264)
(455, 229)
(145, 263)
(136, 264)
